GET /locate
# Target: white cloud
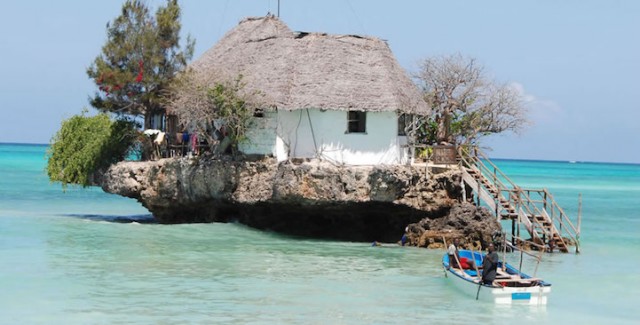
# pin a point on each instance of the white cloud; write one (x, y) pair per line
(540, 110)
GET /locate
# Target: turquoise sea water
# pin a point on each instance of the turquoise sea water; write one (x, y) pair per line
(86, 257)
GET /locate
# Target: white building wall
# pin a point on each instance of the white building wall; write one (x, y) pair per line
(261, 136)
(286, 134)
(381, 144)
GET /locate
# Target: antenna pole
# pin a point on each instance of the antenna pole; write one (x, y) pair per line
(278, 8)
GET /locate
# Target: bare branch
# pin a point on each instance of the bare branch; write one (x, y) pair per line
(466, 105)
(211, 107)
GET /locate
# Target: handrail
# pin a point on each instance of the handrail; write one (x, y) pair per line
(561, 211)
(501, 187)
(553, 205)
(481, 155)
(520, 197)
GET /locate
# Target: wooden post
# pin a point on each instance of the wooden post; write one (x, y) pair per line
(518, 230)
(464, 192)
(504, 252)
(513, 230)
(521, 256)
(478, 190)
(579, 222)
(475, 264)
(496, 201)
(538, 262)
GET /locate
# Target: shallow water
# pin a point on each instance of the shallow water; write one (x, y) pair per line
(86, 257)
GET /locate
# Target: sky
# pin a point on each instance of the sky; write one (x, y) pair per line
(577, 62)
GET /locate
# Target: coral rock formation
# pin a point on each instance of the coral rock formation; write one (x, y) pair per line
(308, 198)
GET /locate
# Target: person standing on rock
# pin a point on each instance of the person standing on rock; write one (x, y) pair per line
(405, 238)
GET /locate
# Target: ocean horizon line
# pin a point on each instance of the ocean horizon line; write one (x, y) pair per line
(565, 161)
(492, 158)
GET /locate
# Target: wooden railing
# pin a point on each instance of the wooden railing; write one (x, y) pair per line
(536, 209)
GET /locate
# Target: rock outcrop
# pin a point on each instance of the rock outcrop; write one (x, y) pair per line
(309, 198)
(474, 226)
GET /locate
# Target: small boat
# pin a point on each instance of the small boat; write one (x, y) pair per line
(510, 286)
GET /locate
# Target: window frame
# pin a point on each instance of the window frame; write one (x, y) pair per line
(402, 124)
(356, 122)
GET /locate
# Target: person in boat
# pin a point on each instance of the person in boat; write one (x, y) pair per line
(454, 257)
(490, 265)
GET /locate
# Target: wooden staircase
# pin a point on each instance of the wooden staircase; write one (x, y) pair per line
(534, 210)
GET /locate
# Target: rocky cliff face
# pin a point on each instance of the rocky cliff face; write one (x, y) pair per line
(308, 198)
(475, 226)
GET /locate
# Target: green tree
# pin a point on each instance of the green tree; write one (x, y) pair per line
(85, 145)
(141, 56)
(466, 104)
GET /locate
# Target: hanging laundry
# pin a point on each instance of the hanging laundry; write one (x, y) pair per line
(194, 143)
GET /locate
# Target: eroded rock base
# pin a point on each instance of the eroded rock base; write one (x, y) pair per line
(368, 221)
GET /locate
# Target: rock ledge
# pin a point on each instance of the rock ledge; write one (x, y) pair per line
(310, 198)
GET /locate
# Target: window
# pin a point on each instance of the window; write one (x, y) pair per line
(157, 121)
(356, 122)
(402, 123)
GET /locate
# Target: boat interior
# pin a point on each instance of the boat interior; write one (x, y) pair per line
(507, 276)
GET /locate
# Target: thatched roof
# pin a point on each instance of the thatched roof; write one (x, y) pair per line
(312, 70)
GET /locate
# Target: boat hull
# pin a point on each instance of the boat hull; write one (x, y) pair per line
(503, 295)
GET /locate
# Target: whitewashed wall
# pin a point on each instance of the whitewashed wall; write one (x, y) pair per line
(286, 134)
(261, 137)
(379, 145)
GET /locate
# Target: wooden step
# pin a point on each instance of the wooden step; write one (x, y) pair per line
(542, 226)
(541, 220)
(510, 216)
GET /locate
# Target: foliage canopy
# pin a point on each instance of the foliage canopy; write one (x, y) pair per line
(202, 105)
(85, 145)
(466, 104)
(141, 56)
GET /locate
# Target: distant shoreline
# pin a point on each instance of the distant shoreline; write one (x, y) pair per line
(492, 158)
(26, 144)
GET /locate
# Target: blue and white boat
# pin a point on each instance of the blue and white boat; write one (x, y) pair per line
(510, 286)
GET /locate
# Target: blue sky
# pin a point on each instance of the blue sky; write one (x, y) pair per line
(578, 62)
